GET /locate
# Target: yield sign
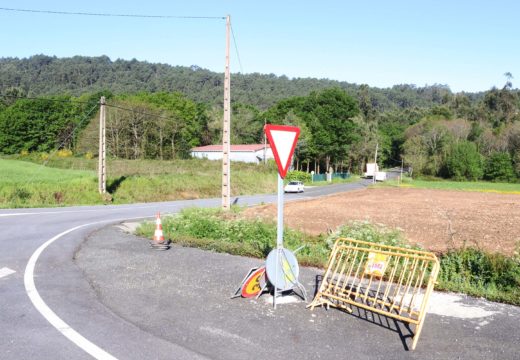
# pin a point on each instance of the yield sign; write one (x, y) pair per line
(283, 141)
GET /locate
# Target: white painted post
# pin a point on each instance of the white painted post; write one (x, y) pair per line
(226, 128)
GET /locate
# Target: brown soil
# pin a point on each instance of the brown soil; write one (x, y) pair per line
(436, 219)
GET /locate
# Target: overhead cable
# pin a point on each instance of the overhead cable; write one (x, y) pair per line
(110, 14)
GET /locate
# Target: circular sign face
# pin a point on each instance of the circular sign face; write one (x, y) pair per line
(253, 284)
(287, 275)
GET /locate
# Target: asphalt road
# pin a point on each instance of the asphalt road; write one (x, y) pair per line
(60, 310)
(24, 332)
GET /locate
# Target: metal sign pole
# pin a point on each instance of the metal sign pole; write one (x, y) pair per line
(279, 229)
(279, 233)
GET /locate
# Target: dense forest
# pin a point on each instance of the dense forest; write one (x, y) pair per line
(42, 75)
(161, 111)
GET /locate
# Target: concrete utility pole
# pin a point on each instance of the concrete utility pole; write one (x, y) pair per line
(226, 146)
(102, 175)
(375, 161)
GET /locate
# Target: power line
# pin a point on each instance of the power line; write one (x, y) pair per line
(69, 136)
(87, 103)
(45, 99)
(111, 15)
(236, 49)
(139, 112)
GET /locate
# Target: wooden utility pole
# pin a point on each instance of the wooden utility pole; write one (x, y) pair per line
(102, 175)
(226, 128)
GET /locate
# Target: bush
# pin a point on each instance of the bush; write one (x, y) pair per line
(499, 167)
(365, 231)
(477, 273)
(298, 176)
(64, 153)
(464, 162)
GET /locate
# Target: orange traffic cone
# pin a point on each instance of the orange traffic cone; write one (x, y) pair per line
(158, 237)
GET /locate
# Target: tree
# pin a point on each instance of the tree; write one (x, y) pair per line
(464, 162)
(329, 116)
(499, 167)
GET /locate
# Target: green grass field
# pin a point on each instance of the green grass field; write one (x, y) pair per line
(25, 184)
(481, 186)
(73, 181)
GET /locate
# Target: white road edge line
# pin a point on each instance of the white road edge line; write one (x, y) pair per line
(50, 315)
(84, 210)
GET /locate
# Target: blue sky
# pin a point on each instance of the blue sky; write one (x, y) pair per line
(467, 45)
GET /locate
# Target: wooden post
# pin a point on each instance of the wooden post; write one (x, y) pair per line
(226, 146)
(102, 176)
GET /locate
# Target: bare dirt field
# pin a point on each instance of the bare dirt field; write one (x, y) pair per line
(436, 219)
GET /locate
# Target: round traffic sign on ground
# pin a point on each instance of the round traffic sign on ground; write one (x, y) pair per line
(288, 270)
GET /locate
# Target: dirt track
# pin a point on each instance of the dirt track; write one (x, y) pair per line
(436, 219)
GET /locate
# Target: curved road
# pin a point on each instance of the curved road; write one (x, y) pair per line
(53, 312)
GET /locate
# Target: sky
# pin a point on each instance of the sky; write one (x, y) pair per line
(467, 45)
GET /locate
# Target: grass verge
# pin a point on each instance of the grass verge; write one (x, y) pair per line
(440, 184)
(492, 276)
(25, 184)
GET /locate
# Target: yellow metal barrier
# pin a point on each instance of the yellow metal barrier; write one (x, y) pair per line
(389, 280)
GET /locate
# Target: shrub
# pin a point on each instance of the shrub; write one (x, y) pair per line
(64, 153)
(298, 176)
(89, 155)
(464, 162)
(365, 231)
(499, 167)
(478, 273)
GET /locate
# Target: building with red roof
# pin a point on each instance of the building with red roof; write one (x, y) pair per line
(252, 153)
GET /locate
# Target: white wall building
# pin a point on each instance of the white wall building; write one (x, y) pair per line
(246, 153)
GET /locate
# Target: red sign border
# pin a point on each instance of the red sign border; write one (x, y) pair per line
(282, 170)
(255, 275)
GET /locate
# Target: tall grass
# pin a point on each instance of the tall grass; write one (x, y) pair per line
(25, 184)
(73, 181)
(474, 272)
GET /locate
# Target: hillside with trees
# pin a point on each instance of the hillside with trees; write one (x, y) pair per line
(42, 75)
(156, 111)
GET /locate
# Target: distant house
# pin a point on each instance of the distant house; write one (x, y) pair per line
(246, 153)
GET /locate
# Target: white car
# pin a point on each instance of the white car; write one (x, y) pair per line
(294, 186)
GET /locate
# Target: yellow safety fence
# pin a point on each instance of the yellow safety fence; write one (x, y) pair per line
(388, 280)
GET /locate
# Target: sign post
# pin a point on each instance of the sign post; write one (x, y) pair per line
(281, 264)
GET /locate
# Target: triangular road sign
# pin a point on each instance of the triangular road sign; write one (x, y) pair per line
(283, 140)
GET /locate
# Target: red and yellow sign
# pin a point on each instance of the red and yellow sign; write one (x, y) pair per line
(252, 285)
(376, 264)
